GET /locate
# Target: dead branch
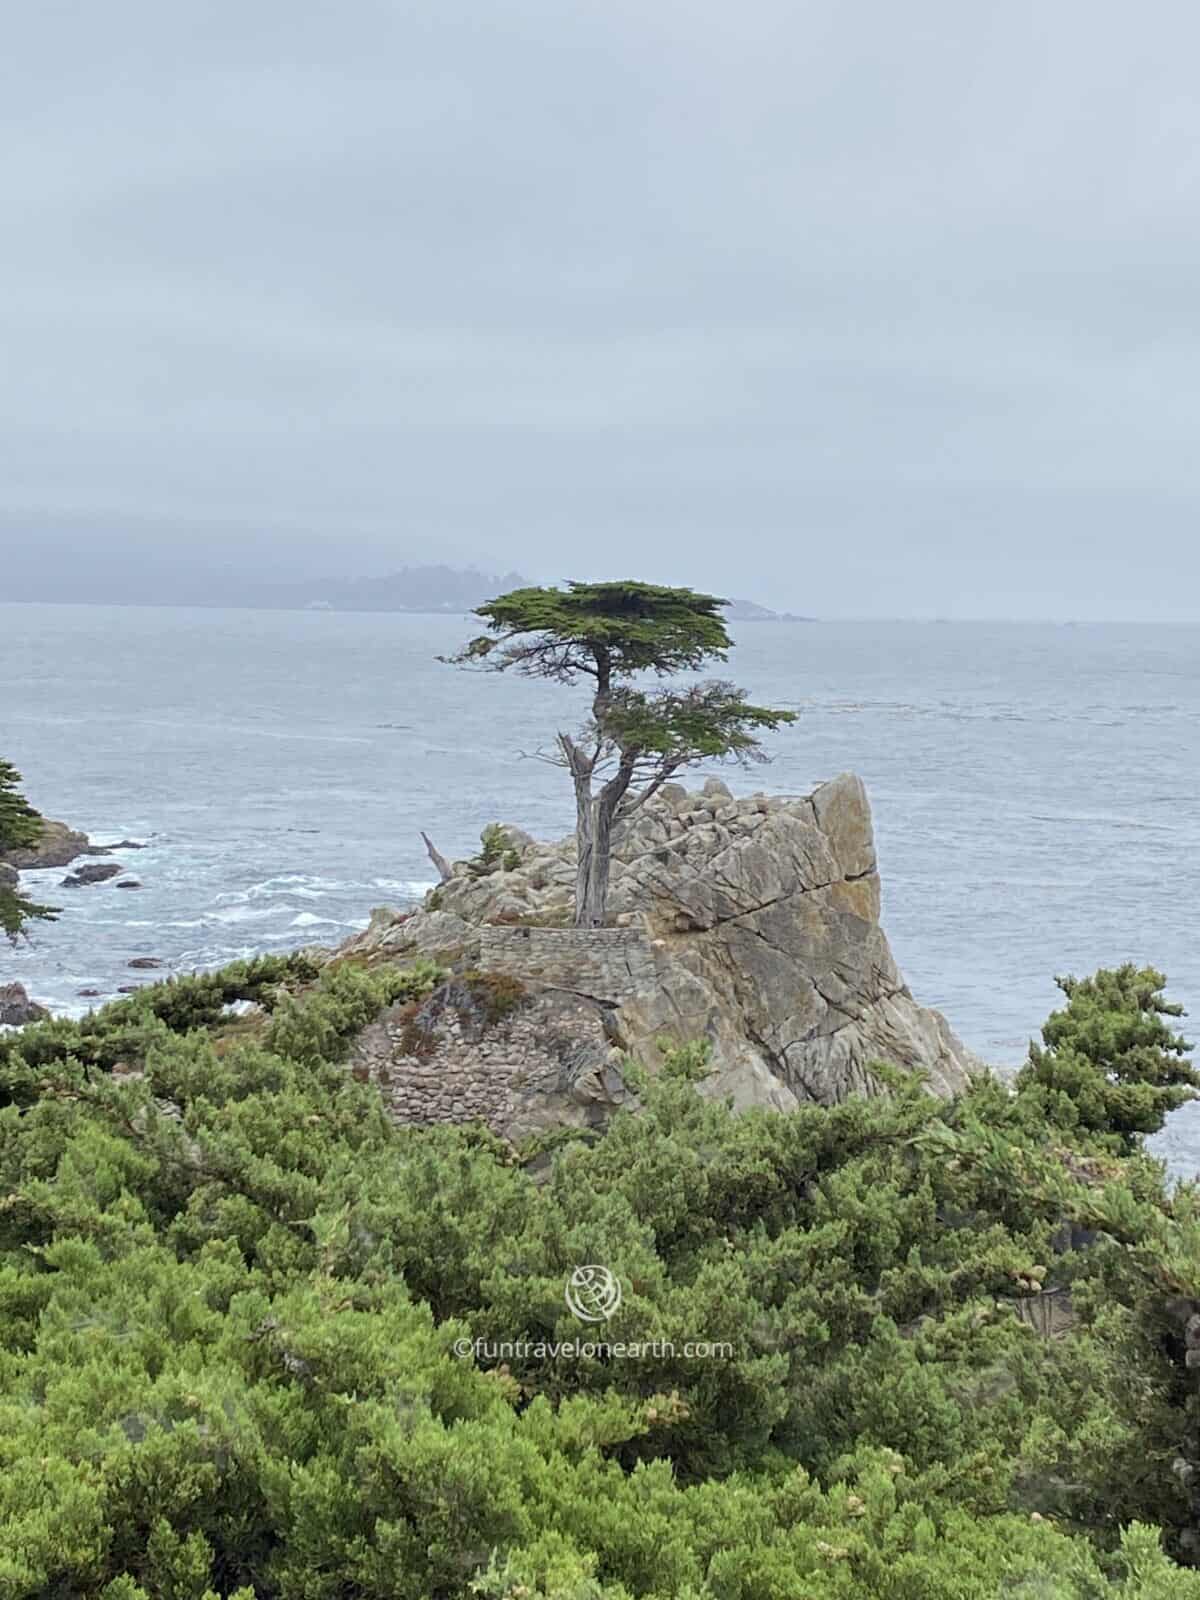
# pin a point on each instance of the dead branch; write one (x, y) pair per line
(436, 856)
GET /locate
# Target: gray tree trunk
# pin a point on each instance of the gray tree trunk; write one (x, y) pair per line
(594, 813)
(595, 821)
(585, 845)
(590, 910)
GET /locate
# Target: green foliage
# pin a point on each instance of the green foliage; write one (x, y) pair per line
(495, 853)
(709, 722)
(16, 910)
(20, 827)
(634, 627)
(20, 824)
(1111, 1064)
(320, 1026)
(231, 1291)
(494, 995)
(123, 1031)
(612, 632)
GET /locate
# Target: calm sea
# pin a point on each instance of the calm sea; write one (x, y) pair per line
(1035, 787)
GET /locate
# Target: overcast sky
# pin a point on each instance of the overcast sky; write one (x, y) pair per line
(858, 310)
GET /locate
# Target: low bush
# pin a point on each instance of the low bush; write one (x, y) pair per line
(255, 1340)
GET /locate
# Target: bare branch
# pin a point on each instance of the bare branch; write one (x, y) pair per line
(667, 772)
(438, 859)
(542, 755)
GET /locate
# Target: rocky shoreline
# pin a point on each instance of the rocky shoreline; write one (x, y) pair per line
(60, 846)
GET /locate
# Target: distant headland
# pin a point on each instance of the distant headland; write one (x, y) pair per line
(421, 589)
(439, 588)
(450, 589)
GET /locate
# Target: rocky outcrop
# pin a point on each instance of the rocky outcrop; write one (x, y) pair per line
(57, 847)
(98, 872)
(752, 923)
(17, 1009)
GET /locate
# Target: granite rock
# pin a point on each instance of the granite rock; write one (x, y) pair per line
(751, 923)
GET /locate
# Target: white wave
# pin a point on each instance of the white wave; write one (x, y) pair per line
(290, 882)
(235, 914)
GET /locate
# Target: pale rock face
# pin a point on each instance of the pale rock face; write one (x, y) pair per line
(756, 924)
(58, 846)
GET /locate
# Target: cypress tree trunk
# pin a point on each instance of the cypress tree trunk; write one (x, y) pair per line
(591, 883)
(596, 816)
(585, 845)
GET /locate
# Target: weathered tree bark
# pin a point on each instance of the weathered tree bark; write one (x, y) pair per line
(596, 820)
(580, 768)
(592, 895)
(438, 859)
(585, 847)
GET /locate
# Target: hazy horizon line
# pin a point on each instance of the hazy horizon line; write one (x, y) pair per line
(794, 620)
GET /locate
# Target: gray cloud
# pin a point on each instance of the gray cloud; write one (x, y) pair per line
(860, 310)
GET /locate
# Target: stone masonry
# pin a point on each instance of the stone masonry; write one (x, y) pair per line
(548, 1063)
(609, 964)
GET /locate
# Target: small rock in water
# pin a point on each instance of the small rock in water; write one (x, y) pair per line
(89, 994)
(82, 876)
(16, 1008)
(129, 883)
(145, 963)
(130, 988)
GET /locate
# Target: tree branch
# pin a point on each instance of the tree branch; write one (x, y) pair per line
(438, 859)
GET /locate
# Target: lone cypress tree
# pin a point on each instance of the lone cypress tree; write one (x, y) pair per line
(635, 739)
(20, 826)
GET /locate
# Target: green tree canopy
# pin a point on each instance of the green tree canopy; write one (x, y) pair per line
(20, 824)
(1111, 1063)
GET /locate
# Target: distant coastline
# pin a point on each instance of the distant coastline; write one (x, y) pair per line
(416, 591)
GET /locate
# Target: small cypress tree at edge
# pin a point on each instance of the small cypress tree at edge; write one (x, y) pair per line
(20, 827)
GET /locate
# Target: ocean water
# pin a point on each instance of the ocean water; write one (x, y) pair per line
(1035, 787)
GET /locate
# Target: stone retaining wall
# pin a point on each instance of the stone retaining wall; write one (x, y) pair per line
(549, 1063)
(605, 963)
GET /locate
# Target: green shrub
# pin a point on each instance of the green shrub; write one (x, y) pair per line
(495, 852)
(231, 1289)
(1111, 1064)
